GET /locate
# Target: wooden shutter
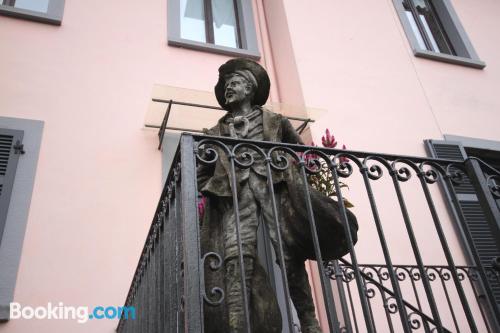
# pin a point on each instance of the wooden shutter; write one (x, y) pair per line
(10, 150)
(480, 230)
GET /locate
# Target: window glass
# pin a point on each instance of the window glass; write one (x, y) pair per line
(193, 20)
(415, 30)
(435, 47)
(224, 23)
(435, 38)
(35, 5)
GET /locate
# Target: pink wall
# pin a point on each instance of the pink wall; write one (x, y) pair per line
(355, 61)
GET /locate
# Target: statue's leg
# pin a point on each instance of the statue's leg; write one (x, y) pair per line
(234, 293)
(247, 209)
(298, 283)
(300, 292)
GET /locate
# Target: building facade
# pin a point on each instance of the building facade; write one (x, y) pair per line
(76, 88)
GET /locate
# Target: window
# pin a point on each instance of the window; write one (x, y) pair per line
(19, 148)
(10, 149)
(476, 222)
(435, 32)
(46, 11)
(221, 26)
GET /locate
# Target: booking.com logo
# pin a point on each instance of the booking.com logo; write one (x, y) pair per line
(79, 313)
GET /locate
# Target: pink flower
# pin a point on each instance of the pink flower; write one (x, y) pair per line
(328, 140)
(201, 207)
(343, 159)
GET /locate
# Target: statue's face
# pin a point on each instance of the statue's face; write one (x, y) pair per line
(236, 90)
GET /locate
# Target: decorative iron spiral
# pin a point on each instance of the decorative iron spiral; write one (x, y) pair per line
(391, 304)
(278, 158)
(431, 174)
(414, 320)
(374, 171)
(455, 173)
(215, 263)
(493, 182)
(245, 159)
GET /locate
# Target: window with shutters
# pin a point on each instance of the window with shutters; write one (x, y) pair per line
(20, 141)
(10, 149)
(479, 232)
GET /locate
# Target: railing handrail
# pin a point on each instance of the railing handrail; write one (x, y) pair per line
(301, 148)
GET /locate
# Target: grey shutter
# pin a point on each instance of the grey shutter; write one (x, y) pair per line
(481, 234)
(9, 156)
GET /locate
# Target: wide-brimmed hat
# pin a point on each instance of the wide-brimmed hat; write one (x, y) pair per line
(238, 64)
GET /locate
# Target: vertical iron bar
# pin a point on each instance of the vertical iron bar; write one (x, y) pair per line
(347, 228)
(139, 305)
(164, 122)
(387, 313)
(385, 249)
(169, 302)
(281, 258)
(417, 298)
(447, 252)
(416, 252)
(150, 285)
(343, 300)
(326, 287)
(145, 296)
(370, 311)
(448, 300)
(481, 308)
(179, 257)
(246, 310)
(143, 301)
(159, 277)
(352, 306)
(163, 267)
(193, 310)
(156, 284)
(172, 306)
(153, 291)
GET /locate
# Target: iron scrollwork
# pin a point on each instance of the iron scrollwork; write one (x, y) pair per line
(215, 263)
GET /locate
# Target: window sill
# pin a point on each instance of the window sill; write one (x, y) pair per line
(29, 15)
(181, 42)
(449, 58)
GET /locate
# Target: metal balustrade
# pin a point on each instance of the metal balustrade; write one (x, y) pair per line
(168, 288)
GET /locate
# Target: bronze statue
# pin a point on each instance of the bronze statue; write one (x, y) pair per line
(242, 89)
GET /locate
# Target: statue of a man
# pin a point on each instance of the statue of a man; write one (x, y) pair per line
(242, 89)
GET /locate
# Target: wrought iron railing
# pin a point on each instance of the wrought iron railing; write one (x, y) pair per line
(377, 282)
(168, 288)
